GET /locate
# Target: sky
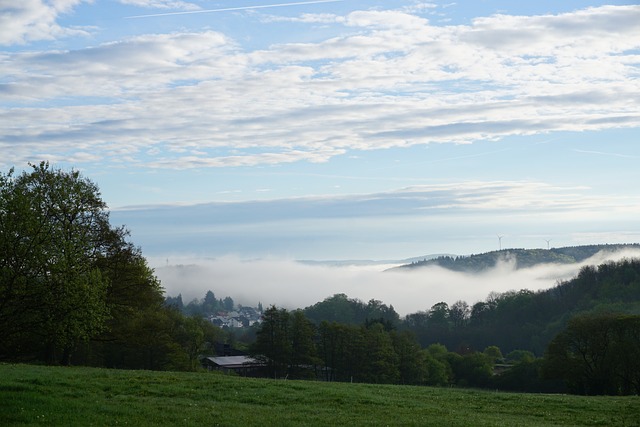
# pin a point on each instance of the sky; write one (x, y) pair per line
(333, 130)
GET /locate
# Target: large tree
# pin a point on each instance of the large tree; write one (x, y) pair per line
(597, 354)
(52, 229)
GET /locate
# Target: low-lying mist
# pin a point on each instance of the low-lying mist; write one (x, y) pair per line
(290, 284)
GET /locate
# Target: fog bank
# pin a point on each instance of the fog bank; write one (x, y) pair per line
(290, 284)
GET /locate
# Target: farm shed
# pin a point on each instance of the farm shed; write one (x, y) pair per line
(242, 365)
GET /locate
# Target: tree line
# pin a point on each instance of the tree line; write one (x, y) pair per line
(594, 354)
(207, 306)
(478, 263)
(512, 320)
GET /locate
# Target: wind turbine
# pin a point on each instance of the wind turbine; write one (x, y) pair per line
(547, 243)
(500, 241)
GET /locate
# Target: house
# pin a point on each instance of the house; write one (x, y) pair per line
(245, 366)
(243, 318)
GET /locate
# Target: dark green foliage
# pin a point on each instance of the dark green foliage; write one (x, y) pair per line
(71, 284)
(529, 320)
(379, 361)
(53, 228)
(526, 376)
(291, 346)
(342, 309)
(597, 354)
(202, 307)
(285, 343)
(472, 370)
(524, 257)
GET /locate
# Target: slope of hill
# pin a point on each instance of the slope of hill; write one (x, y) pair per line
(527, 320)
(367, 262)
(524, 257)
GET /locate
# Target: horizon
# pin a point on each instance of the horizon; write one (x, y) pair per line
(334, 130)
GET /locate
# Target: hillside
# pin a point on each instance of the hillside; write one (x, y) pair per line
(527, 320)
(54, 396)
(524, 257)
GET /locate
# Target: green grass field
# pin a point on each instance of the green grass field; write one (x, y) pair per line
(56, 396)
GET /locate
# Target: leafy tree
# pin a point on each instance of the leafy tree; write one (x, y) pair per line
(341, 347)
(494, 353)
(134, 295)
(597, 354)
(438, 371)
(412, 366)
(459, 314)
(286, 343)
(228, 303)
(71, 283)
(53, 226)
(381, 362)
(273, 345)
(303, 347)
(196, 336)
(526, 376)
(439, 313)
(175, 302)
(473, 369)
(517, 356)
(342, 309)
(210, 303)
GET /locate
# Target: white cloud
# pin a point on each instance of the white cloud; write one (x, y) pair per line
(31, 20)
(306, 18)
(188, 100)
(420, 6)
(293, 285)
(386, 20)
(162, 4)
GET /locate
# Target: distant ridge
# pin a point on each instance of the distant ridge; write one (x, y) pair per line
(524, 257)
(365, 262)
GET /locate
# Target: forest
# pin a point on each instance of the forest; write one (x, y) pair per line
(75, 290)
(525, 258)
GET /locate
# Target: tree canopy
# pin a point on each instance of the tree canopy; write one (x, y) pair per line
(70, 283)
(53, 228)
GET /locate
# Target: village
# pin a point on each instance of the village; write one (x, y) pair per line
(241, 317)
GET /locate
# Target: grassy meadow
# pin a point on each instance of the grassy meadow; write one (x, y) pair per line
(57, 396)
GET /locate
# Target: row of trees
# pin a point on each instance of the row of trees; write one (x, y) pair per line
(595, 354)
(207, 306)
(292, 346)
(71, 284)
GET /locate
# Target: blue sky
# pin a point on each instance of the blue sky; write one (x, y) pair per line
(334, 129)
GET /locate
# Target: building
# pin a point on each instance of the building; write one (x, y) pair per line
(245, 366)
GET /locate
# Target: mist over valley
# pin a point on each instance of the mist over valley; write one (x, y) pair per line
(295, 284)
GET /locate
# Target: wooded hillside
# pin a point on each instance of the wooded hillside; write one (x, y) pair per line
(524, 257)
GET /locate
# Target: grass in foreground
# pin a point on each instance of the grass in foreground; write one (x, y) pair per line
(38, 395)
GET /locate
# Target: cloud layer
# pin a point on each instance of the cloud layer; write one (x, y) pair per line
(293, 285)
(395, 224)
(387, 78)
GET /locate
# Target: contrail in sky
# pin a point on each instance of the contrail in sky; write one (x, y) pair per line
(234, 8)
